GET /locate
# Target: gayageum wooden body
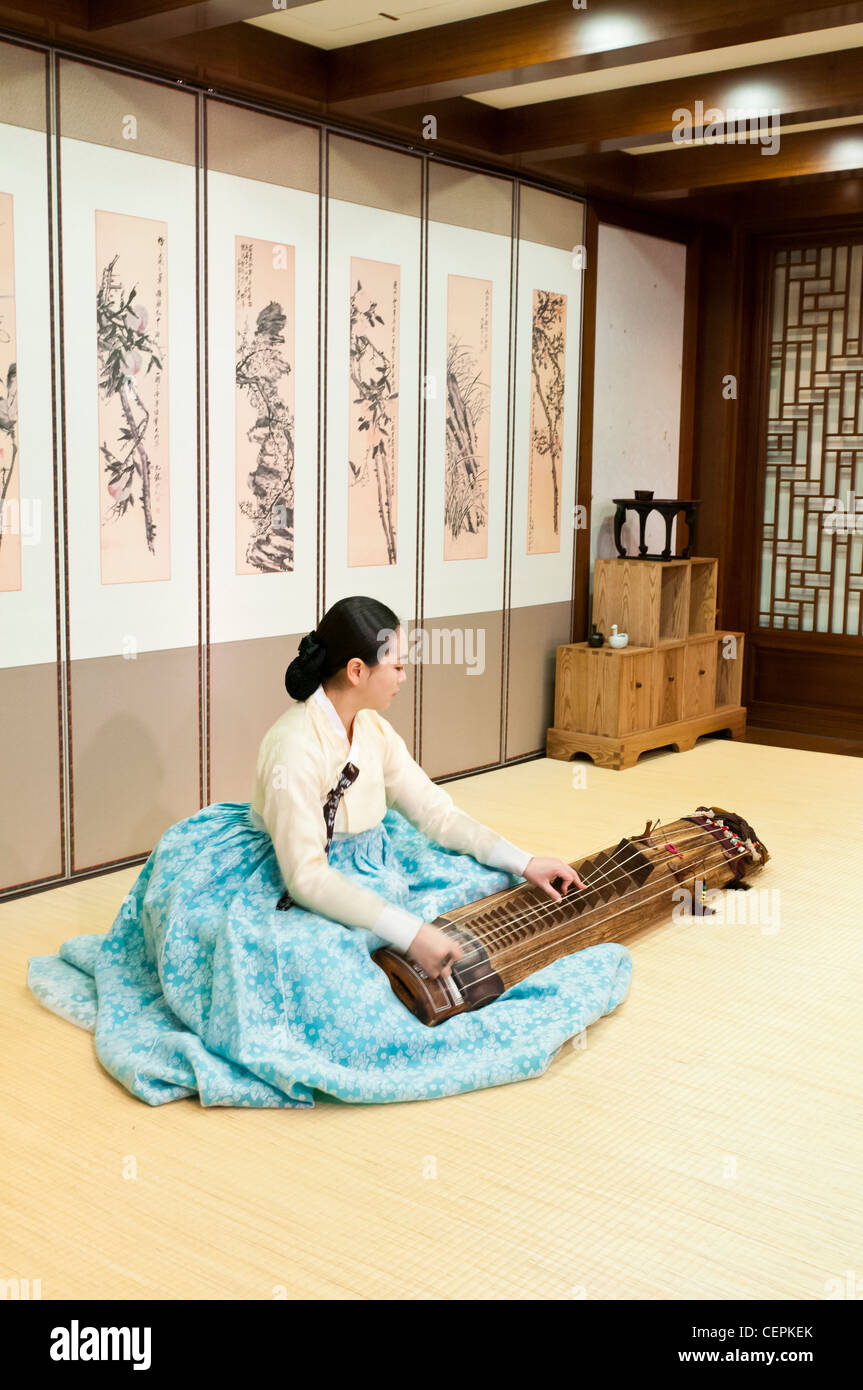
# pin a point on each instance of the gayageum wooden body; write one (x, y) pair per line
(509, 935)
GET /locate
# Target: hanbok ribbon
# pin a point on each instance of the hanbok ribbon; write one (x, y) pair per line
(349, 773)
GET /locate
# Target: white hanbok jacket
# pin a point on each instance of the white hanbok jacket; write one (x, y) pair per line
(299, 762)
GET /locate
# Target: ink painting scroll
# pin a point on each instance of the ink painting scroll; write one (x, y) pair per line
(373, 413)
(548, 379)
(10, 481)
(265, 435)
(468, 414)
(134, 442)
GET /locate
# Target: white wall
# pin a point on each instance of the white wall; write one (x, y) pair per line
(639, 361)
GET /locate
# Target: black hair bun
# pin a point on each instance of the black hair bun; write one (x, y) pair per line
(303, 676)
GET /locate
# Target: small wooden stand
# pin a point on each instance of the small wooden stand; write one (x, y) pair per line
(677, 678)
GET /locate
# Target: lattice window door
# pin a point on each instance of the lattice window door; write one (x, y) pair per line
(812, 533)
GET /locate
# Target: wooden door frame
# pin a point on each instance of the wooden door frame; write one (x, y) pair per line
(828, 727)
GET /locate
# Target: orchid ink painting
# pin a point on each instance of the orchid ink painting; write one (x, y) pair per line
(373, 414)
(468, 410)
(547, 379)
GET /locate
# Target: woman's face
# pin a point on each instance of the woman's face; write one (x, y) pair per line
(385, 678)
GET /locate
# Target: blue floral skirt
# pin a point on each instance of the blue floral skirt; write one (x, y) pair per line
(203, 988)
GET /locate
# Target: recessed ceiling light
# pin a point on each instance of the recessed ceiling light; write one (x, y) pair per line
(849, 152)
(750, 99)
(601, 32)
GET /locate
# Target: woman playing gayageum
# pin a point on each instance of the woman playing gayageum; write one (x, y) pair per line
(239, 967)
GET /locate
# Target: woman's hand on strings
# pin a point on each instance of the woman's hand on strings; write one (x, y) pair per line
(547, 872)
(434, 951)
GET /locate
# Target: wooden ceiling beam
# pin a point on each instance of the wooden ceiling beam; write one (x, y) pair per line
(245, 57)
(818, 88)
(44, 14)
(676, 172)
(548, 40)
(818, 200)
(612, 174)
(247, 60)
(149, 21)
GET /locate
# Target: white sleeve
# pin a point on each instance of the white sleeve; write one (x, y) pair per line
(432, 810)
(293, 814)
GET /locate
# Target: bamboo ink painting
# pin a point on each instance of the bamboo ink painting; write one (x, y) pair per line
(547, 379)
(264, 442)
(373, 413)
(10, 468)
(468, 414)
(134, 443)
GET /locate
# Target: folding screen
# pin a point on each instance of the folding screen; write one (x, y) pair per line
(374, 241)
(30, 806)
(263, 212)
(546, 394)
(416, 442)
(467, 412)
(128, 184)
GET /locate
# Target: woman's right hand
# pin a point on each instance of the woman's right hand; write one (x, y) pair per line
(434, 951)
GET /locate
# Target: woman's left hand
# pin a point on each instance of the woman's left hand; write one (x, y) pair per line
(542, 871)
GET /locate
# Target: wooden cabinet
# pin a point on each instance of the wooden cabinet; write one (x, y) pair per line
(604, 691)
(677, 678)
(635, 687)
(668, 683)
(699, 678)
(729, 668)
(655, 601)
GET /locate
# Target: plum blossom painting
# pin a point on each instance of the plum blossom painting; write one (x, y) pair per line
(547, 378)
(10, 489)
(373, 413)
(265, 316)
(132, 329)
(468, 414)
